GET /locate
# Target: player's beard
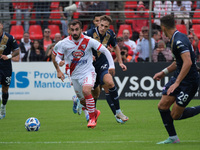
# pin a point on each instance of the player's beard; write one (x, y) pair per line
(76, 37)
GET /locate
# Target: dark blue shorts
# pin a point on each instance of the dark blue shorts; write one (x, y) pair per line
(184, 92)
(5, 77)
(101, 71)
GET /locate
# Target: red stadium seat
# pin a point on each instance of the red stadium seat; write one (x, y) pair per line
(182, 28)
(196, 15)
(35, 32)
(85, 27)
(112, 28)
(130, 4)
(76, 14)
(17, 31)
(54, 29)
(122, 27)
(54, 5)
(13, 22)
(55, 14)
(33, 18)
(129, 15)
(196, 28)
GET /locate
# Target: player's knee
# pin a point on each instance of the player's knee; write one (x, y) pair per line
(86, 91)
(110, 84)
(162, 107)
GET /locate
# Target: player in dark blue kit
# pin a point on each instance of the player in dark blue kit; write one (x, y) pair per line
(106, 36)
(7, 44)
(182, 86)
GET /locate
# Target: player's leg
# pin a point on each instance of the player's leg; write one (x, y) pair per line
(76, 103)
(78, 107)
(96, 93)
(112, 94)
(164, 109)
(5, 96)
(87, 84)
(188, 111)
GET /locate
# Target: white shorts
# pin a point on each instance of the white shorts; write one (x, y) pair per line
(87, 80)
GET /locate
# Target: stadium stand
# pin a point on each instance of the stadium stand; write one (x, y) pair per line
(17, 31)
(196, 28)
(55, 14)
(122, 27)
(35, 32)
(182, 28)
(54, 29)
(196, 17)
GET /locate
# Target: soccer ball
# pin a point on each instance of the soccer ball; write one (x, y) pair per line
(32, 124)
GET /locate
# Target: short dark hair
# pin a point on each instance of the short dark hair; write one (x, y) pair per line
(106, 18)
(119, 39)
(74, 22)
(97, 15)
(125, 48)
(168, 21)
(154, 32)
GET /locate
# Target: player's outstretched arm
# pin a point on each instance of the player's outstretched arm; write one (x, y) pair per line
(158, 76)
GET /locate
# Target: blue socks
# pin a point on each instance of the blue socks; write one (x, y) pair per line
(190, 112)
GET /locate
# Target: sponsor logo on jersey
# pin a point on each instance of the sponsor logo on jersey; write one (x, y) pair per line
(78, 54)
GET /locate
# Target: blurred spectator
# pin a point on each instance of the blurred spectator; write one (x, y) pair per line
(25, 45)
(48, 52)
(118, 18)
(156, 36)
(198, 5)
(166, 40)
(84, 6)
(120, 42)
(143, 46)
(161, 8)
(129, 42)
(182, 9)
(64, 16)
(124, 55)
(194, 41)
(46, 41)
(23, 8)
(141, 19)
(36, 53)
(161, 53)
(42, 13)
(5, 16)
(98, 6)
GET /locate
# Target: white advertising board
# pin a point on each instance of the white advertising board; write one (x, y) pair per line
(38, 81)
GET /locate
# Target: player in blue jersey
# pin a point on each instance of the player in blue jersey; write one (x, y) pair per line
(107, 37)
(7, 44)
(182, 86)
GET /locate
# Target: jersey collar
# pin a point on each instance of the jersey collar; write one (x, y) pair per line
(76, 41)
(97, 31)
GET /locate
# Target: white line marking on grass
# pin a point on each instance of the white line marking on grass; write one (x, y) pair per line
(91, 142)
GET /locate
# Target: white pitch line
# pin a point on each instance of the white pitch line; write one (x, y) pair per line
(92, 142)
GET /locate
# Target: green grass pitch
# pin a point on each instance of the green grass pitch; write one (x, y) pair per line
(63, 130)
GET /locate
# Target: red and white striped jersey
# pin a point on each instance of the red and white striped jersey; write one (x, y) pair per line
(78, 54)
